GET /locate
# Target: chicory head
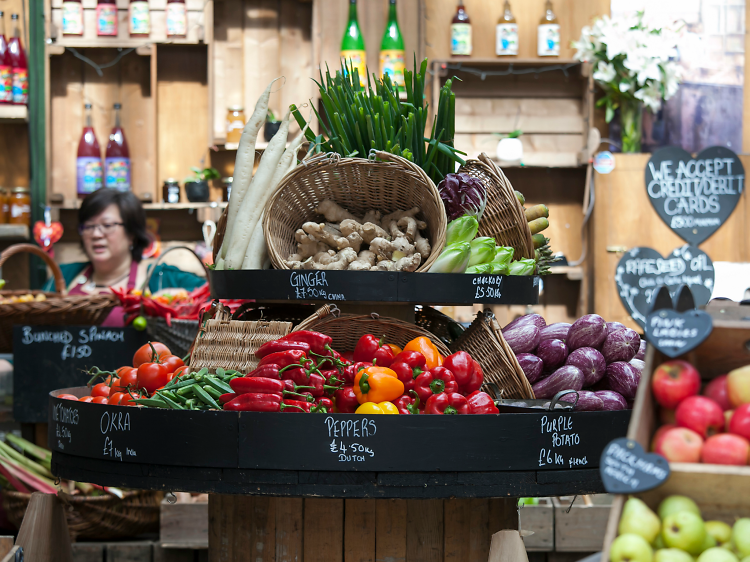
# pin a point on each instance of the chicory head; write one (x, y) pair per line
(503, 255)
(463, 229)
(482, 250)
(522, 267)
(453, 259)
(463, 195)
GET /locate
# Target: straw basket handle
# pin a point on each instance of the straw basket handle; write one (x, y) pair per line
(388, 157)
(37, 251)
(153, 267)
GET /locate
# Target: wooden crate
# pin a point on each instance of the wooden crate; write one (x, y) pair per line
(722, 492)
(582, 528)
(184, 525)
(540, 519)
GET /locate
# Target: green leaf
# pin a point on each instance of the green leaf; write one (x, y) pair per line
(610, 114)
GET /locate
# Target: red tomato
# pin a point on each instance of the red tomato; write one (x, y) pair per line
(151, 376)
(68, 397)
(100, 389)
(171, 362)
(114, 399)
(127, 400)
(122, 370)
(179, 371)
(86, 399)
(127, 378)
(100, 400)
(146, 355)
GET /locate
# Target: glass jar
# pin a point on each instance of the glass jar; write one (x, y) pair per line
(20, 206)
(170, 191)
(226, 188)
(3, 205)
(235, 124)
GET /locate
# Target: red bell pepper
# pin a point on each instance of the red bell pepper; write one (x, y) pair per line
(409, 365)
(267, 371)
(408, 404)
(481, 403)
(228, 397)
(259, 385)
(319, 343)
(462, 366)
(350, 372)
(284, 358)
(277, 346)
(371, 349)
(436, 381)
(345, 400)
(447, 403)
(384, 356)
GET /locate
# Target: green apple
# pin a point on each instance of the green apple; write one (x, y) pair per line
(638, 518)
(672, 555)
(717, 554)
(741, 536)
(745, 559)
(708, 542)
(684, 530)
(720, 531)
(675, 504)
(658, 542)
(630, 548)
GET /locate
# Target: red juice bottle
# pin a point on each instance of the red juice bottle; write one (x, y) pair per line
(117, 158)
(89, 160)
(20, 68)
(6, 70)
(106, 18)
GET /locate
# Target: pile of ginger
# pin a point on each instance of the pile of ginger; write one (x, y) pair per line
(371, 243)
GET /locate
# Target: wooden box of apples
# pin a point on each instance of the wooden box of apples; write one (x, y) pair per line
(695, 411)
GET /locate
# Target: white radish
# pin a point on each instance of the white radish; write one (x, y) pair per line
(259, 193)
(288, 160)
(243, 167)
(257, 251)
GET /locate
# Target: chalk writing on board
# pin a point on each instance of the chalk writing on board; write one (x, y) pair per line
(64, 416)
(626, 468)
(559, 429)
(115, 421)
(350, 451)
(487, 286)
(313, 285)
(72, 347)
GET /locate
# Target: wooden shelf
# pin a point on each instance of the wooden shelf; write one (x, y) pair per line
(505, 61)
(13, 113)
(14, 232)
(73, 205)
(572, 273)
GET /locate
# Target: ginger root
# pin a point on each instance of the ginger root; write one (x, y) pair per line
(365, 260)
(307, 246)
(333, 212)
(373, 217)
(408, 263)
(395, 249)
(366, 231)
(332, 237)
(398, 215)
(340, 262)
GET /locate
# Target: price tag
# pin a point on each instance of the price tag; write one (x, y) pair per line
(627, 469)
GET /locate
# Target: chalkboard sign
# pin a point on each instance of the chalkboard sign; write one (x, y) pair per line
(675, 333)
(694, 196)
(641, 271)
(626, 469)
(46, 358)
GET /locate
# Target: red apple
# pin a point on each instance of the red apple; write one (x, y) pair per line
(738, 386)
(716, 390)
(728, 417)
(659, 434)
(666, 416)
(701, 414)
(674, 381)
(680, 445)
(726, 449)
(740, 422)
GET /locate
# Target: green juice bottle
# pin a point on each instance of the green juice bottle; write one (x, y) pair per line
(392, 55)
(353, 44)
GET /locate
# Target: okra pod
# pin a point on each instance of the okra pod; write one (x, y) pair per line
(218, 385)
(203, 396)
(212, 392)
(171, 403)
(186, 391)
(152, 403)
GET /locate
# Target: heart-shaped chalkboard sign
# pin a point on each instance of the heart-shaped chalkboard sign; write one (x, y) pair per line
(626, 468)
(642, 270)
(675, 333)
(694, 196)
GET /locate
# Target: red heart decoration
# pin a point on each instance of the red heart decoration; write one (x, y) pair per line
(45, 235)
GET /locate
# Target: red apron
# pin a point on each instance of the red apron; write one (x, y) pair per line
(116, 318)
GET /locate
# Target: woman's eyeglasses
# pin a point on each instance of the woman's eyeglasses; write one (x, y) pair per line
(106, 228)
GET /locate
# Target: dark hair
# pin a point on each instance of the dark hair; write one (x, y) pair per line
(131, 211)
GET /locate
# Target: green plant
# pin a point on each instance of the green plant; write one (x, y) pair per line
(202, 175)
(271, 118)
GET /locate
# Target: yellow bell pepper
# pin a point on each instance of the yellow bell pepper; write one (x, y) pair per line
(377, 384)
(373, 408)
(388, 408)
(428, 349)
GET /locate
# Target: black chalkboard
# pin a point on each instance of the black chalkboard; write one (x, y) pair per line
(675, 333)
(49, 357)
(694, 196)
(626, 469)
(643, 270)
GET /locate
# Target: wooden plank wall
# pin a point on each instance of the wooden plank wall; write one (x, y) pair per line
(624, 216)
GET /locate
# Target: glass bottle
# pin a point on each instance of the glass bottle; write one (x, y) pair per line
(170, 191)
(89, 160)
(235, 124)
(106, 18)
(117, 157)
(548, 33)
(19, 206)
(6, 69)
(139, 18)
(506, 33)
(392, 54)
(72, 17)
(461, 32)
(176, 18)
(353, 45)
(20, 67)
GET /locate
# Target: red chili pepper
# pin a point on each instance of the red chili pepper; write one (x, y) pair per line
(332, 363)
(408, 405)
(350, 372)
(295, 406)
(261, 385)
(481, 403)
(278, 346)
(299, 377)
(324, 403)
(319, 343)
(228, 397)
(447, 403)
(348, 356)
(252, 402)
(462, 366)
(345, 399)
(436, 381)
(268, 371)
(332, 378)
(409, 365)
(284, 358)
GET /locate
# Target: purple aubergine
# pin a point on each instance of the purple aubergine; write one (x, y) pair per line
(565, 378)
(556, 331)
(587, 401)
(532, 366)
(522, 339)
(590, 362)
(612, 400)
(621, 345)
(535, 319)
(553, 353)
(641, 351)
(587, 331)
(614, 326)
(623, 378)
(638, 364)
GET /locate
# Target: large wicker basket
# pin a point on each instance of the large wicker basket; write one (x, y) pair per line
(503, 218)
(57, 309)
(387, 185)
(99, 518)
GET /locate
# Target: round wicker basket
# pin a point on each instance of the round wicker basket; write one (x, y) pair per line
(503, 218)
(389, 184)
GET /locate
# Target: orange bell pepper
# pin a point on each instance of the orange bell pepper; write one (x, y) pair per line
(428, 349)
(377, 384)
(396, 349)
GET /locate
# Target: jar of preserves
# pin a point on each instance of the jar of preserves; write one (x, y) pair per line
(226, 188)
(170, 191)
(3, 205)
(235, 124)
(20, 206)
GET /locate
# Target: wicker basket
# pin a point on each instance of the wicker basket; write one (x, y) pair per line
(56, 310)
(484, 341)
(98, 517)
(346, 329)
(358, 185)
(503, 218)
(435, 322)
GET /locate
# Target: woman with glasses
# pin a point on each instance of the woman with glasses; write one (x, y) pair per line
(112, 225)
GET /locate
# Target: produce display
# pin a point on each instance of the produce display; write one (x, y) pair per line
(12, 299)
(712, 427)
(677, 533)
(602, 360)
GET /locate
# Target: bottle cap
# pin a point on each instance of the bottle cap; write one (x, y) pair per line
(118, 106)
(236, 108)
(87, 106)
